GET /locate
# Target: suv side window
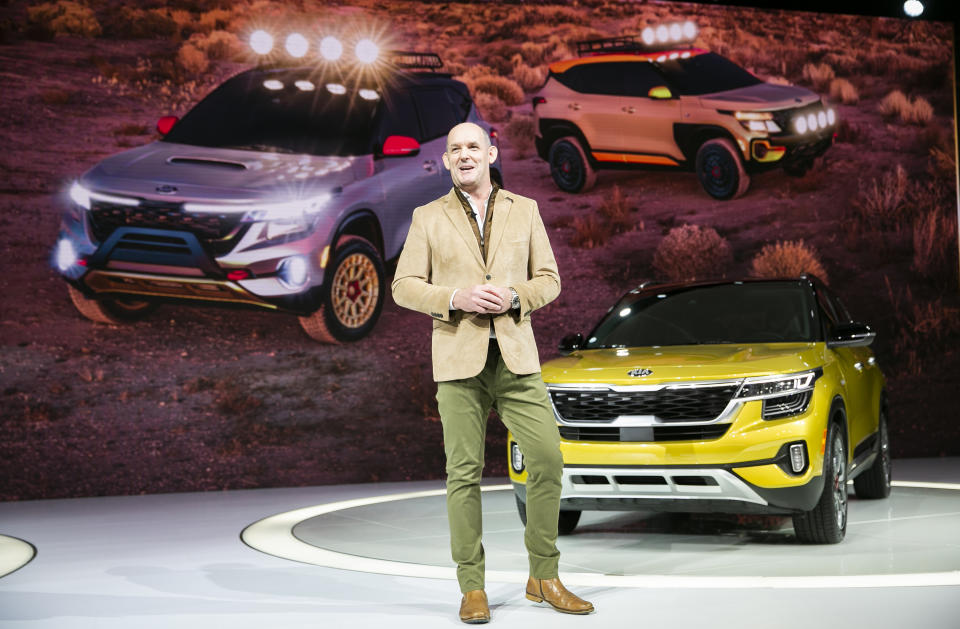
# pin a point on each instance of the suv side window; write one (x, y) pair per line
(640, 78)
(400, 117)
(436, 112)
(461, 102)
(626, 78)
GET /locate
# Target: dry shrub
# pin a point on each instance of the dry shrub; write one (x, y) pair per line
(56, 96)
(787, 259)
(590, 231)
(843, 63)
(897, 105)
(615, 210)
(63, 18)
(527, 77)
(491, 108)
(942, 165)
(122, 22)
(692, 252)
(921, 329)
(503, 88)
(521, 132)
(218, 44)
(819, 75)
(843, 91)
(192, 59)
(935, 245)
(216, 19)
(233, 398)
(881, 202)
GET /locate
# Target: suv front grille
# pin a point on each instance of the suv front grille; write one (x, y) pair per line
(678, 404)
(218, 232)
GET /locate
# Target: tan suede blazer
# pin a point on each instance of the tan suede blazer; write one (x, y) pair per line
(441, 254)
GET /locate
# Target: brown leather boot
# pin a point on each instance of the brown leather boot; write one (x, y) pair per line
(473, 608)
(559, 597)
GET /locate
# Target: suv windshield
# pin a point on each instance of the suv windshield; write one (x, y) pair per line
(705, 74)
(751, 312)
(295, 116)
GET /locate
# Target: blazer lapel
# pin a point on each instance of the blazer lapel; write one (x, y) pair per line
(501, 212)
(458, 217)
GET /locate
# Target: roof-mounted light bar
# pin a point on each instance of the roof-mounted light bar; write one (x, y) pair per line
(651, 39)
(365, 51)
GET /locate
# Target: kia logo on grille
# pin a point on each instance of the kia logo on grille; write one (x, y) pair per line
(639, 373)
(165, 189)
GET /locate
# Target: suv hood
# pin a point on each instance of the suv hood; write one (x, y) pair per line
(682, 363)
(185, 172)
(763, 96)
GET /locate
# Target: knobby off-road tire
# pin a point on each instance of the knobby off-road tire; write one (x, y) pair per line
(352, 295)
(826, 523)
(720, 169)
(875, 482)
(566, 523)
(569, 166)
(112, 311)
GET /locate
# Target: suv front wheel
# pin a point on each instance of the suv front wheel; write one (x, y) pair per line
(720, 169)
(826, 523)
(113, 311)
(569, 166)
(352, 296)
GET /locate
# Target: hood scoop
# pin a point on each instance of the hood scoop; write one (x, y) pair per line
(207, 161)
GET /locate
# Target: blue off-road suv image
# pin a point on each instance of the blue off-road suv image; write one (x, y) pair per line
(288, 188)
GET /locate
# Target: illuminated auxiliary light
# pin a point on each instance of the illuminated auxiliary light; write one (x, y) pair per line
(649, 36)
(368, 94)
(273, 84)
(330, 48)
(261, 42)
(367, 51)
(296, 45)
(800, 124)
(516, 458)
(336, 88)
(798, 457)
(663, 34)
(293, 271)
(812, 122)
(689, 31)
(913, 8)
(304, 85)
(676, 32)
(822, 119)
(66, 254)
(80, 195)
(831, 116)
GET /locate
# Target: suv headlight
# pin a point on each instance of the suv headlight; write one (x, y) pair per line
(757, 121)
(782, 396)
(281, 219)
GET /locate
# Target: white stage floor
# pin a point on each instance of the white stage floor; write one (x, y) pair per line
(178, 560)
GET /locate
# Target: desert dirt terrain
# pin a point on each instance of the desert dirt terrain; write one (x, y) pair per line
(206, 398)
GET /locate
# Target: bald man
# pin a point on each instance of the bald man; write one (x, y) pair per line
(478, 261)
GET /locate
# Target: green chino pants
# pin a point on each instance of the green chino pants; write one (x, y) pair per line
(523, 405)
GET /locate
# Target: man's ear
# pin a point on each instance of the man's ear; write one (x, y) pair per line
(446, 160)
(493, 153)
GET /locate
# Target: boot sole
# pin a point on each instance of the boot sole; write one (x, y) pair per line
(540, 599)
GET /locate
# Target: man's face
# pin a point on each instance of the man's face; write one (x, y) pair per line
(468, 157)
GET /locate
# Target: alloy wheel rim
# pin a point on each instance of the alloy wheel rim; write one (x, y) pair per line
(839, 481)
(565, 167)
(885, 452)
(355, 290)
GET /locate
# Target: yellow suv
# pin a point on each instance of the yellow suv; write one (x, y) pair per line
(757, 396)
(652, 104)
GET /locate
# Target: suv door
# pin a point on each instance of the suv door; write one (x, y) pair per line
(649, 122)
(596, 106)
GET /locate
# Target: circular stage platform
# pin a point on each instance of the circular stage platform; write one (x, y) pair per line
(14, 554)
(908, 539)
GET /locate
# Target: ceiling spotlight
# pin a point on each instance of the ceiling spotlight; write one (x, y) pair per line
(913, 8)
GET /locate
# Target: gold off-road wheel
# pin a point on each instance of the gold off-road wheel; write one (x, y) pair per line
(113, 311)
(353, 294)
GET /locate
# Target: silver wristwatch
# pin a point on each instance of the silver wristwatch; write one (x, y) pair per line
(514, 300)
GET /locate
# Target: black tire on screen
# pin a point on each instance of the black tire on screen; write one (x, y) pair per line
(568, 522)
(874, 482)
(569, 166)
(353, 294)
(112, 311)
(720, 169)
(826, 523)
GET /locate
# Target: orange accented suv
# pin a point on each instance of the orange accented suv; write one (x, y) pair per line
(650, 102)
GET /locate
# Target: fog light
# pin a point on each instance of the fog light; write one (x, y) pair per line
(293, 271)
(798, 457)
(516, 458)
(66, 255)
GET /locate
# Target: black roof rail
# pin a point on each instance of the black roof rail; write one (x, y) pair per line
(626, 43)
(409, 60)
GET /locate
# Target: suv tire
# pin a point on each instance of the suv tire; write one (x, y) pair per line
(826, 523)
(566, 522)
(352, 294)
(569, 166)
(113, 311)
(875, 481)
(720, 169)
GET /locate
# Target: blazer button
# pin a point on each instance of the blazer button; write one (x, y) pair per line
(489, 277)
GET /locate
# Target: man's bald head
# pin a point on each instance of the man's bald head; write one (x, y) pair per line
(469, 128)
(468, 157)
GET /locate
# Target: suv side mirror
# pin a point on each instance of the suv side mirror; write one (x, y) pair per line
(570, 343)
(660, 92)
(852, 334)
(165, 124)
(400, 146)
